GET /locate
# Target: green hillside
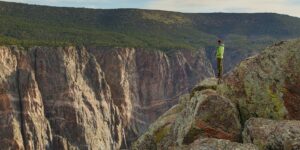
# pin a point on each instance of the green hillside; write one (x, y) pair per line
(40, 25)
(244, 34)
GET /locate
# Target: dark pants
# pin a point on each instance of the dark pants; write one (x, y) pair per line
(220, 67)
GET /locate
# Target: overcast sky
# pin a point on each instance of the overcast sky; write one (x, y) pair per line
(290, 7)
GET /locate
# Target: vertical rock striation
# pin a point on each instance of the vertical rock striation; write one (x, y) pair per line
(78, 98)
(56, 99)
(146, 83)
(11, 117)
(35, 126)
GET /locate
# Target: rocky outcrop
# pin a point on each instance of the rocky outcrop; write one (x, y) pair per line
(78, 98)
(270, 134)
(202, 114)
(262, 86)
(267, 85)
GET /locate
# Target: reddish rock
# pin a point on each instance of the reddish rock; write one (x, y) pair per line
(211, 132)
(291, 96)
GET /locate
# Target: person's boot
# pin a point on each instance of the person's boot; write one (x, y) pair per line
(219, 80)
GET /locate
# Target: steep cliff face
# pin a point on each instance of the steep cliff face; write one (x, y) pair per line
(201, 120)
(146, 83)
(57, 99)
(77, 98)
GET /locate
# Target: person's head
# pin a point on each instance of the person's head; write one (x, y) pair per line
(219, 41)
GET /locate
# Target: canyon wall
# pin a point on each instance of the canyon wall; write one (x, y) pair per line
(146, 83)
(89, 98)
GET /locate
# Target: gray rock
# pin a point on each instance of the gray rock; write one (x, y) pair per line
(267, 85)
(272, 135)
(219, 144)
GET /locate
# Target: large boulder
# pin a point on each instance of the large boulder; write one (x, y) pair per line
(272, 135)
(207, 115)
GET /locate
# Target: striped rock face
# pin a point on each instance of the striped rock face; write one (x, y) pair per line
(89, 98)
(55, 99)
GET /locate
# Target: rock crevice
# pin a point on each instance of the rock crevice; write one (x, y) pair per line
(22, 122)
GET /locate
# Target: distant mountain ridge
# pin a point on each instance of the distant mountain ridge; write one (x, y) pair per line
(244, 34)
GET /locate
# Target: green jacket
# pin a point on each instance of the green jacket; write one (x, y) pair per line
(220, 51)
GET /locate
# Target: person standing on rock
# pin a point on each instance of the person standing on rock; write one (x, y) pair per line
(219, 55)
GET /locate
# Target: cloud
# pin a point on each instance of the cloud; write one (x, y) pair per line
(291, 7)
